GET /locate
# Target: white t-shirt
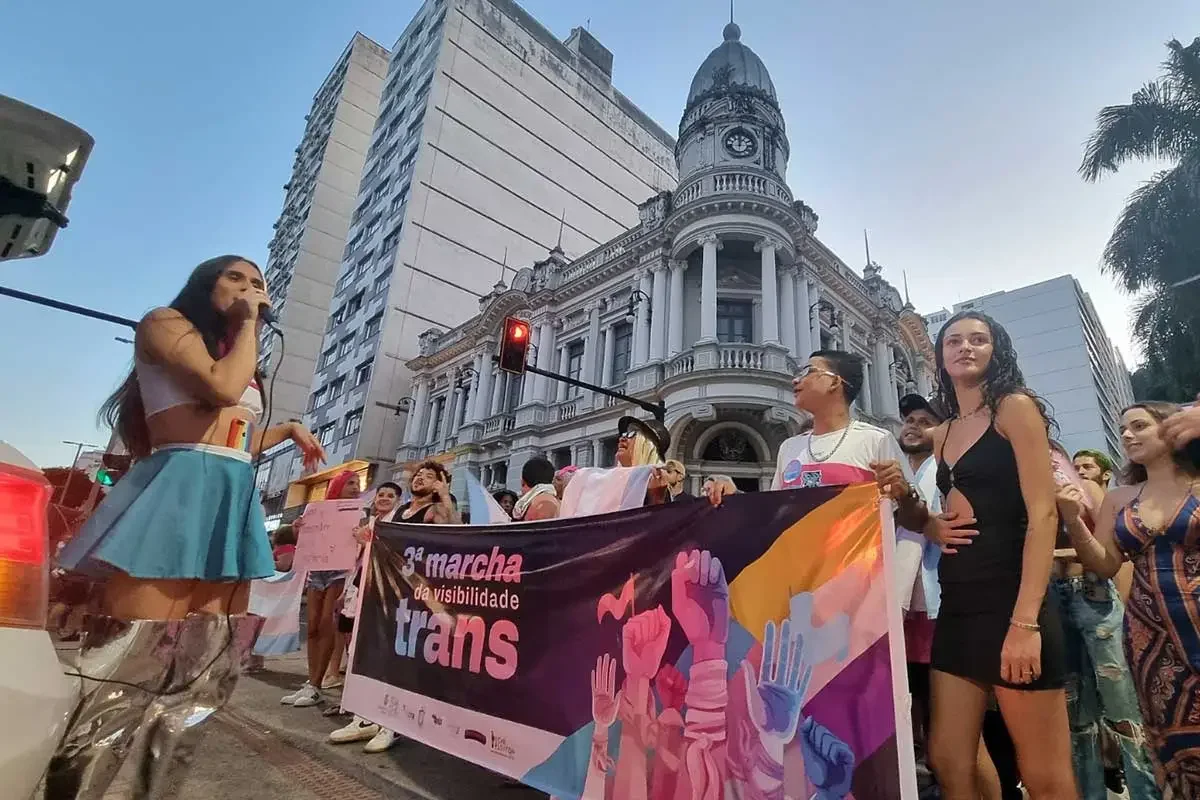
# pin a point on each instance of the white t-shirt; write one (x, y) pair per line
(835, 464)
(850, 462)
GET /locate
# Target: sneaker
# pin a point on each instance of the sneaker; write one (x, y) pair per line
(381, 741)
(307, 697)
(303, 691)
(335, 711)
(357, 730)
(332, 683)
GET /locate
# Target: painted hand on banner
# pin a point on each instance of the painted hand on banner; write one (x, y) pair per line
(776, 695)
(700, 601)
(643, 642)
(604, 692)
(671, 686)
(828, 761)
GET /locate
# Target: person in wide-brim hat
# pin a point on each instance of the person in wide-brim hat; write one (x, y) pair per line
(641, 442)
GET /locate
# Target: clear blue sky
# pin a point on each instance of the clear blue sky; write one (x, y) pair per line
(951, 131)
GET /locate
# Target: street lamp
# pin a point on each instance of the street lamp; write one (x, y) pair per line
(1185, 281)
(636, 296)
(71, 470)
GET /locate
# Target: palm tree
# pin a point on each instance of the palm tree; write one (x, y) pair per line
(1156, 241)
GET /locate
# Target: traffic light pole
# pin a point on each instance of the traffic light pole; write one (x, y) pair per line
(658, 409)
(68, 307)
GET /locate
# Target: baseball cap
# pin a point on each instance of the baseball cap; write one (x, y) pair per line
(915, 402)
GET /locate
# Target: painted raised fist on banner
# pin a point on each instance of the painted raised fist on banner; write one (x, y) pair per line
(671, 686)
(828, 761)
(643, 643)
(700, 601)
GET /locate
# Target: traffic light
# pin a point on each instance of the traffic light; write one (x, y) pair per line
(113, 468)
(514, 345)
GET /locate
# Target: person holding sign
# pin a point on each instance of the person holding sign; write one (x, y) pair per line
(323, 592)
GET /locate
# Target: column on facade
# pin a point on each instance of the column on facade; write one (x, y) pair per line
(675, 314)
(641, 320)
(416, 411)
(483, 397)
(451, 425)
(881, 367)
(658, 312)
(499, 390)
(867, 405)
(591, 344)
(770, 289)
(814, 314)
(527, 380)
(787, 309)
(545, 360)
(606, 367)
(924, 385)
(893, 396)
(804, 345)
(474, 410)
(708, 287)
(436, 420)
(560, 386)
(597, 452)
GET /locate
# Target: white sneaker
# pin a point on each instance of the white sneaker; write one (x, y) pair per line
(381, 741)
(332, 683)
(357, 730)
(303, 691)
(307, 697)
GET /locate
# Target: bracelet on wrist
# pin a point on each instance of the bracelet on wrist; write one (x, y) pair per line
(1024, 626)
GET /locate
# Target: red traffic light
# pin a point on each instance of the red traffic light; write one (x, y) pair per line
(514, 345)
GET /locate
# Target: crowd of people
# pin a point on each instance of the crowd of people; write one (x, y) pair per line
(1052, 618)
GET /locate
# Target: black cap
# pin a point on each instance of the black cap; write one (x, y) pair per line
(652, 429)
(915, 402)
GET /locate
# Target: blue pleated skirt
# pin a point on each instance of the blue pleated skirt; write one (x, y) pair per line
(186, 512)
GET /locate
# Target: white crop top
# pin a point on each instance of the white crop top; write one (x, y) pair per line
(160, 392)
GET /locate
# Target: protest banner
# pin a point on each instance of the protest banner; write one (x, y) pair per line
(326, 541)
(676, 651)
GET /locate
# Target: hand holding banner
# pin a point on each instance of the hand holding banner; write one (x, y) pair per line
(326, 540)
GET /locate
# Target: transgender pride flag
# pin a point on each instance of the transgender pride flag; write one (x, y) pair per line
(278, 600)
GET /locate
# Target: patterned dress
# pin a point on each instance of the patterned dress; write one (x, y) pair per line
(1162, 639)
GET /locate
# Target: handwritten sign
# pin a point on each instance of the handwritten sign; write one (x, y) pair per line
(326, 539)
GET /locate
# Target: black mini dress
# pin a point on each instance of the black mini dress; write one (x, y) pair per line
(980, 582)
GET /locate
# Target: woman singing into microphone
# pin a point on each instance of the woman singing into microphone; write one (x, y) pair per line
(178, 539)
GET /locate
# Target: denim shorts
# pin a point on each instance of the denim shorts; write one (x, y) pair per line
(322, 579)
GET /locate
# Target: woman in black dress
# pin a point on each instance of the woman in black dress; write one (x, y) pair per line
(996, 631)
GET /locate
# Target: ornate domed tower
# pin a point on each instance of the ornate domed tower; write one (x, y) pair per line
(732, 118)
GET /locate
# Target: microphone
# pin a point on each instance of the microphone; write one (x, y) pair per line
(266, 314)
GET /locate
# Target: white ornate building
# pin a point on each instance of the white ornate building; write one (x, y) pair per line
(708, 304)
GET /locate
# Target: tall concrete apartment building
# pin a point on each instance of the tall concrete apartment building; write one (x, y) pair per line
(494, 144)
(305, 254)
(1066, 357)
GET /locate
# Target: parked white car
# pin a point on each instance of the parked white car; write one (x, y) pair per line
(35, 694)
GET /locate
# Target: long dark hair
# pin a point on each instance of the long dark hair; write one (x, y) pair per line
(123, 410)
(1134, 473)
(1002, 377)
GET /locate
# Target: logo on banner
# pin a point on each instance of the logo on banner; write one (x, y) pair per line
(501, 747)
(810, 479)
(390, 705)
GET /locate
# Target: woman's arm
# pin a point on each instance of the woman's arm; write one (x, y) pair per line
(1099, 552)
(314, 453)
(1020, 421)
(166, 338)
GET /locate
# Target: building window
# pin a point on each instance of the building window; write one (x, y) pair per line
(399, 200)
(575, 367)
(373, 326)
(337, 318)
(372, 226)
(364, 263)
(389, 241)
(735, 321)
(355, 304)
(353, 423)
(435, 424)
(345, 347)
(353, 243)
(362, 374)
(407, 163)
(326, 433)
(380, 283)
(622, 352)
(416, 124)
(319, 398)
(381, 189)
(327, 357)
(335, 388)
(346, 279)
